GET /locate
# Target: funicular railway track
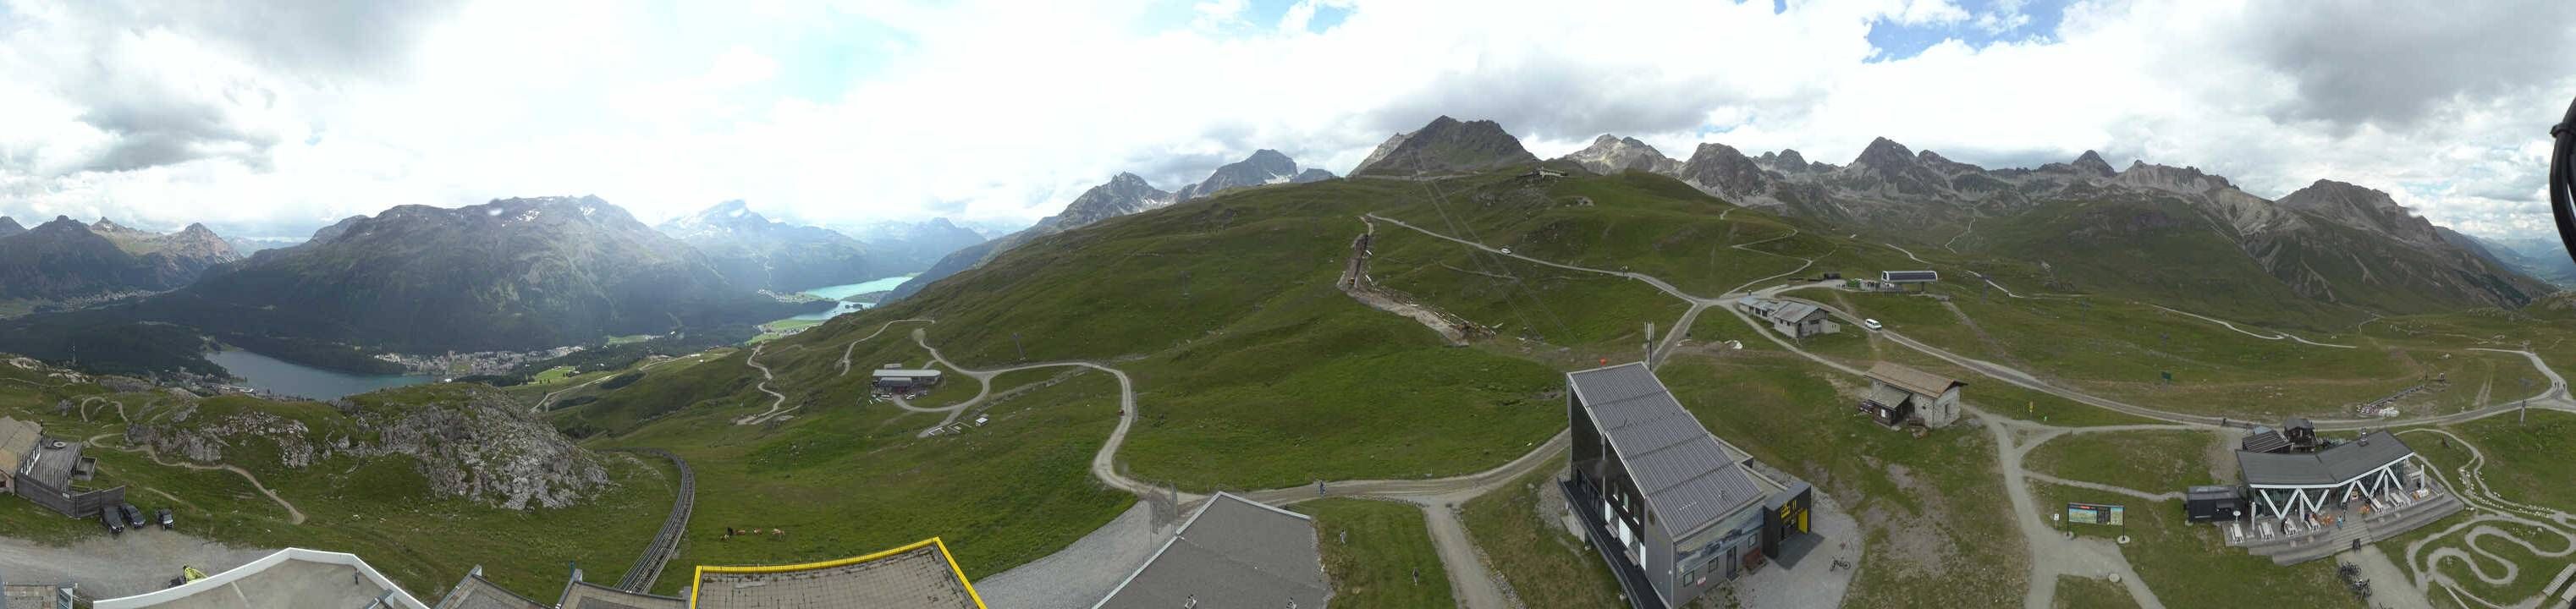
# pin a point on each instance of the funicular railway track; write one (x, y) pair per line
(666, 543)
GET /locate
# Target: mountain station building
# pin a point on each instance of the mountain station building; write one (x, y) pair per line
(44, 469)
(1796, 320)
(1672, 509)
(902, 379)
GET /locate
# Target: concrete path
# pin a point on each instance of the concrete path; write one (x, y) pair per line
(2389, 585)
(1083, 573)
(2469, 544)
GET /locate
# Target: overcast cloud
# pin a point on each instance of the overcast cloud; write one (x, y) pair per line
(270, 118)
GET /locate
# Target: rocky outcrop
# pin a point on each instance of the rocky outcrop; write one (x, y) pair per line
(465, 442)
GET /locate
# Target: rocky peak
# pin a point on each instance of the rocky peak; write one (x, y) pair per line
(2360, 207)
(62, 225)
(1265, 166)
(1884, 155)
(1446, 146)
(9, 226)
(2092, 162)
(1125, 193)
(2089, 164)
(104, 226)
(1614, 154)
(1726, 172)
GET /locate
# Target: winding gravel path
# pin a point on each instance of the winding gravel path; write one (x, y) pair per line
(2275, 335)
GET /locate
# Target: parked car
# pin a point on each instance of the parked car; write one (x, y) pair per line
(115, 522)
(133, 515)
(1871, 324)
(167, 520)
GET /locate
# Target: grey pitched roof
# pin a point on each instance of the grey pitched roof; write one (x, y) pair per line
(1792, 312)
(2333, 465)
(1912, 380)
(474, 592)
(1233, 553)
(1689, 478)
(586, 595)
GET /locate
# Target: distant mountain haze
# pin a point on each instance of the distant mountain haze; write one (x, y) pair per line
(1123, 194)
(752, 250)
(910, 247)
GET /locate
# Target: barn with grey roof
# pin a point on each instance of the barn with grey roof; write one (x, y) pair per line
(1673, 510)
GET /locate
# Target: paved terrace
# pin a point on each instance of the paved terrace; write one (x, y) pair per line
(293, 578)
(918, 576)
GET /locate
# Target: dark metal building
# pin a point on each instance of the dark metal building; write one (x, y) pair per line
(1672, 509)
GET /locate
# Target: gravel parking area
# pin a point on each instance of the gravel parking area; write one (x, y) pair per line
(109, 567)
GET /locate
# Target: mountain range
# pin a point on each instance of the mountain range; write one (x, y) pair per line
(752, 250)
(1123, 194)
(67, 260)
(512, 274)
(2124, 230)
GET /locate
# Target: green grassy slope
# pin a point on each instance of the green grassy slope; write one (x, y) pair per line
(1378, 554)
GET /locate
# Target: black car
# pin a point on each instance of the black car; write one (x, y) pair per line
(167, 521)
(115, 524)
(133, 515)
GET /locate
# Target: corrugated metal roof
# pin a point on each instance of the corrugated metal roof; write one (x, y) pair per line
(1794, 311)
(2330, 466)
(1887, 395)
(1912, 380)
(1689, 478)
(2264, 440)
(906, 373)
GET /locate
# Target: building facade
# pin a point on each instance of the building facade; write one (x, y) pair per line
(1673, 510)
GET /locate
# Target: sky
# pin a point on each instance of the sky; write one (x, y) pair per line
(271, 118)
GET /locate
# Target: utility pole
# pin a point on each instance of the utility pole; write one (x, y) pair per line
(1650, 343)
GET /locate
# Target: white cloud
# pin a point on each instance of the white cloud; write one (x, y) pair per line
(1012, 108)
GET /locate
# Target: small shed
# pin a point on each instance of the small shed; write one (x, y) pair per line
(2214, 503)
(2300, 432)
(1902, 394)
(2262, 439)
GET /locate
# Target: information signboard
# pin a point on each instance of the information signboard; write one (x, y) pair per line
(2096, 513)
